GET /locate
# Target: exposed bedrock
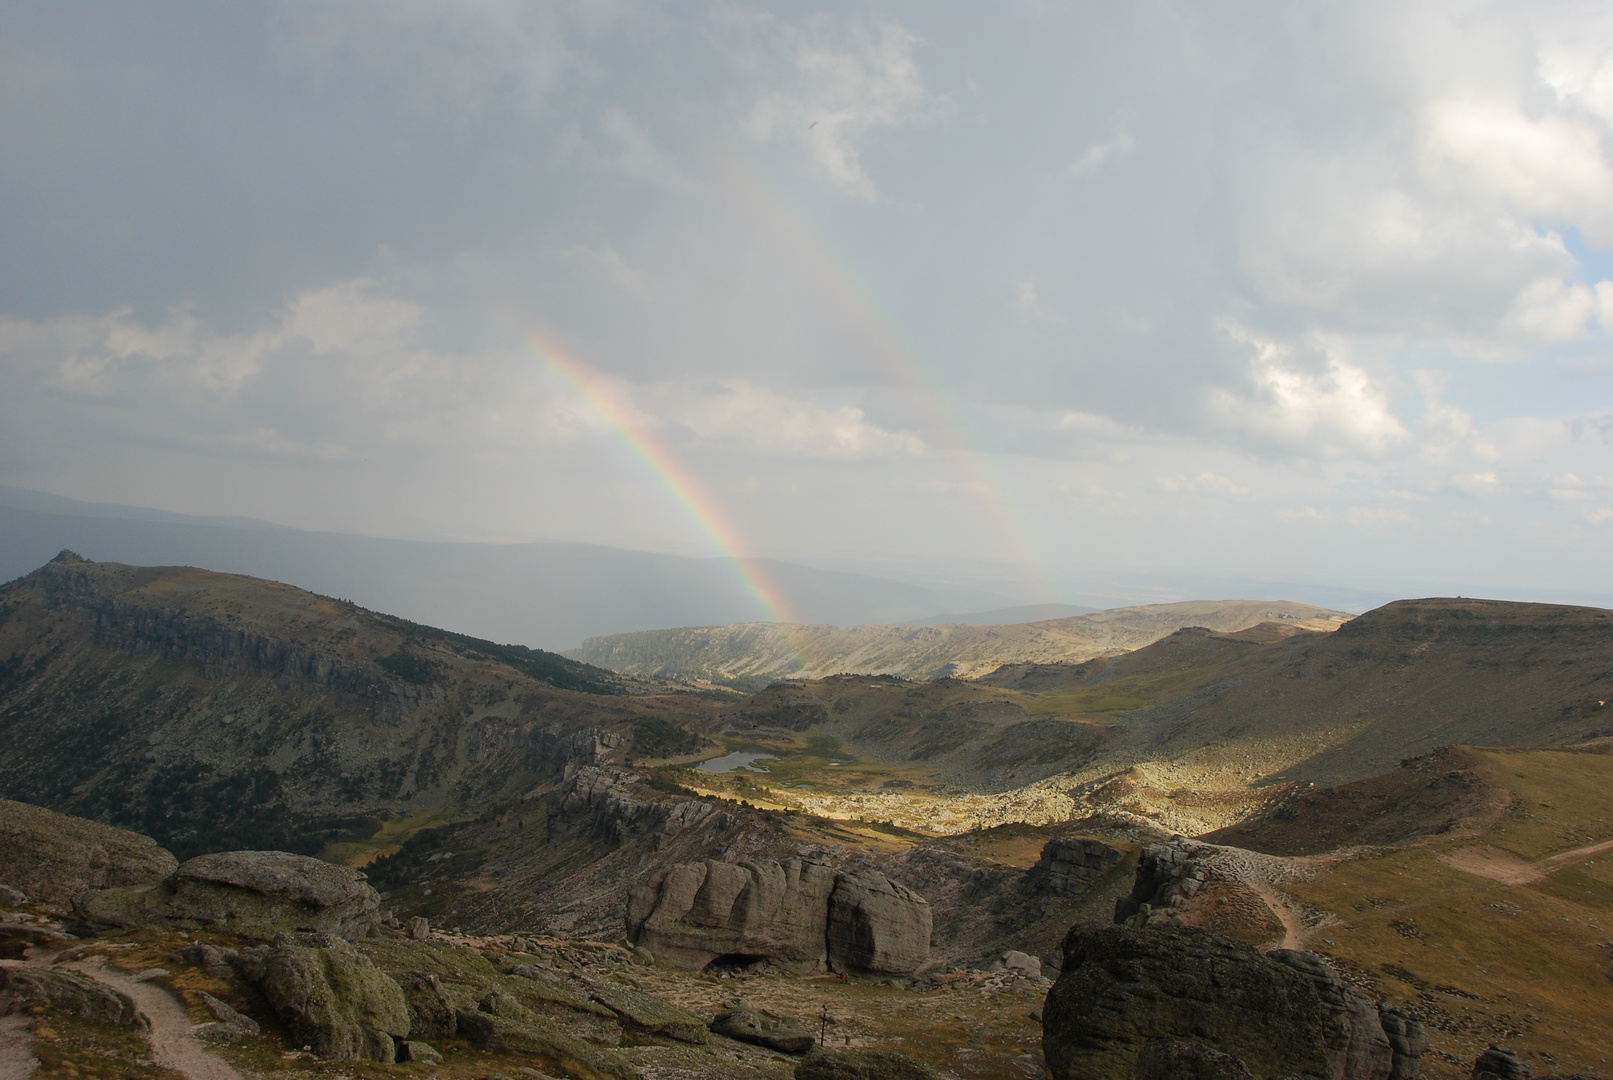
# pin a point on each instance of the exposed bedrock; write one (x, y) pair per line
(252, 894)
(794, 912)
(1286, 1014)
(49, 856)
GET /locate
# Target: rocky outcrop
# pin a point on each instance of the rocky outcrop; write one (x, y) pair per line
(877, 925)
(1498, 1064)
(1071, 866)
(868, 1065)
(49, 857)
(333, 998)
(1165, 872)
(762, 1028)
(1286, 1014)
(68, 992)
(1352, 1026)
(796, 913)
(250, 894)
(605, 803)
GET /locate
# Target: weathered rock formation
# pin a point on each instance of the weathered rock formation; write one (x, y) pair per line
(795, 913)
(70, 992)
(1165, 872)
(763, 1028)
(1498, 1064)
(1279, 1015)
(1168, 1059)
(1363, 1040)
(1071, 866)
(49, 856)
(867, 1065)
(250, 894)
(334, 998)
(877, 925)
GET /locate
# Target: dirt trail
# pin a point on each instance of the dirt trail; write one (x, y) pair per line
(173, 1043)
(17, 1061)
(1509, 869)
(1294, 932)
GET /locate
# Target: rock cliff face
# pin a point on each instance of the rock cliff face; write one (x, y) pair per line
(1071, 866)
(794, 912)
(49, 857)
(1280, 1015)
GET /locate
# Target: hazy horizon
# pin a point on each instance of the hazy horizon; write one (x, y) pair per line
(1055, 303)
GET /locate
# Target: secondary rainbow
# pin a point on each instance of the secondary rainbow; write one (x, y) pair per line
(753, 190)
(668, 472)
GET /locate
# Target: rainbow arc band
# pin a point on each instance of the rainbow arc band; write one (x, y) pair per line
(667, 471)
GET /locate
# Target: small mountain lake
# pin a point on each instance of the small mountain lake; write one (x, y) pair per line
(739, 759)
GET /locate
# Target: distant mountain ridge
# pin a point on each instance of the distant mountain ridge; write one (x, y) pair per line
(549, 595)
(751, 654)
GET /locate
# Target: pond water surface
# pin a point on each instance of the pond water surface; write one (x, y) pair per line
(739, 759)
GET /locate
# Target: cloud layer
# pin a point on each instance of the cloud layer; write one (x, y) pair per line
(1043, 289)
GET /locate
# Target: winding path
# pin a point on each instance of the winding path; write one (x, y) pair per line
(1509, 869)
(173, 1038)
(17, 1061)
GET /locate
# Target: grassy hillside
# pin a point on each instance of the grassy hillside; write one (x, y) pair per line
(750, 655)
(214, 711)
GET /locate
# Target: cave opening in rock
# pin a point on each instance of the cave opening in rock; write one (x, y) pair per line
(734, 962)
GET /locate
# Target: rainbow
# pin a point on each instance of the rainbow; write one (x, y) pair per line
(855, 294)
(669, 472)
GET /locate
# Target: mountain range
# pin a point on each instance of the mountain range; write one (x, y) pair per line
(546, 595)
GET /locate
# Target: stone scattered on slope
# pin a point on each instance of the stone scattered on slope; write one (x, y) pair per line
(864, 1065)
(69, 992)
(335, 999)
(49, 856)
(749, 1025)
(249, 894)
(794, 913)
(1283, 1014)
(1498, 1064)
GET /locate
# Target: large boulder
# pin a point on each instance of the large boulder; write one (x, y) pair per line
(795, 913)
(1168, 1059)
(68, 992)
(691, 914)
(49, 857)
(249, 894)
(334, 998)
(877, 925)
(745, 1024)
(533, 1037)
(1282, 1015)
(863, 1065)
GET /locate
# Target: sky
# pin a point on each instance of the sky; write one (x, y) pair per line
(1045, 294)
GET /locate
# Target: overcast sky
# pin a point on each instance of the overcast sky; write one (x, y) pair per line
(1066, 290)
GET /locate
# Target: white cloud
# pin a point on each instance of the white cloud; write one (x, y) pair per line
(440, 58)
(1029, 302)
(1119, 145)
(1552, 310)
(825, 91)
(1332, 409)
(761, 421)
(1205, 483)
(1548, 167)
